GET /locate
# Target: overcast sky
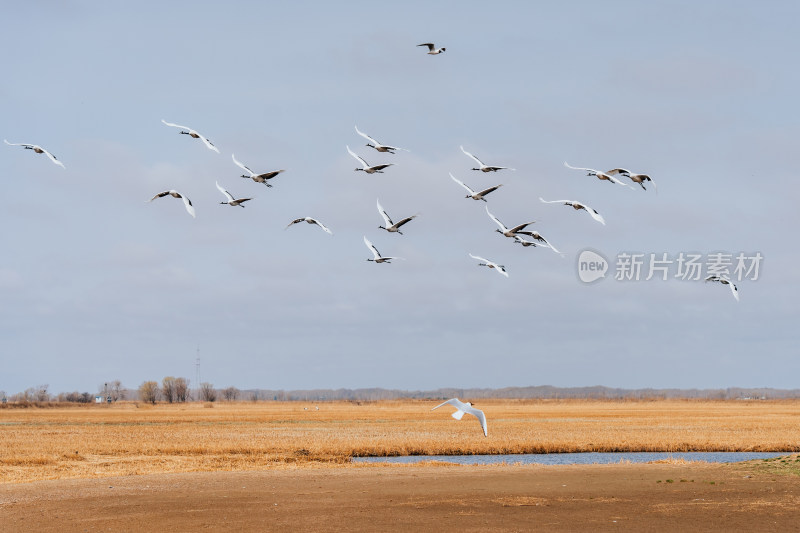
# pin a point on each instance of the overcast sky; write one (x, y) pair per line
(97, 284)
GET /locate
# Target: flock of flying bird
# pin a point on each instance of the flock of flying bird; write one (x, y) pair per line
(518, 232)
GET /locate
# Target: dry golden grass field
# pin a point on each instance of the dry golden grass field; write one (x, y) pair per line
(128, 438)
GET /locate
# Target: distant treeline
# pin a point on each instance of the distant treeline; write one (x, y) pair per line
(179, 390)
(533, 392)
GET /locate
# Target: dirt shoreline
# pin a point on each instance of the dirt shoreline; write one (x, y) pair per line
(427, 497)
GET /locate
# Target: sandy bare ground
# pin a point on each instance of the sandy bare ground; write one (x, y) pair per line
(622, 497)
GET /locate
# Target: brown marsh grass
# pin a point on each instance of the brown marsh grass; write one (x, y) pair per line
(130, 439)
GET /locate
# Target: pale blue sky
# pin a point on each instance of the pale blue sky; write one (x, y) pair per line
(96, 284)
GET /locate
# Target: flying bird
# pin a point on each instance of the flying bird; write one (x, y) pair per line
(377, 257)
(231, 200)
(175, 194)
(541, 241)
(467, 408)
(258, 178)
(193, 133)
(432, 50)
(577, 206)
(368, 169)
(636, 178)
(598, 174)
(484, 168)
(509, 232)
(725, 281)
(475, 195)
(378, 146)
(501, 269)
(310, 221)
(392, 227)
(39, 150)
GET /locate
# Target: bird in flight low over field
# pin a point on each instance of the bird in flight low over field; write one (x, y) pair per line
(467, 408)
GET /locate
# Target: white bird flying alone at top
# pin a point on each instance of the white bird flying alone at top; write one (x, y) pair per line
(231, 200)
(193, 133)
(432, 50)
(636, 178)
(501, 269)
(506, 231)
(467, 408)
(392, 227)
(368, 169)
(377, 257)
(577, 205)
(725, 281)
(378, 146)
(475, 195)
(39, 150)
(599, 174)
(484, 168)
(175, 194)
(258, 178)
(310, 221)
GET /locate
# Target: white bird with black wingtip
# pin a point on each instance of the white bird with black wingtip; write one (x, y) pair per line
(378, 146)
(475, 195)
(258, 178)
(510, 232)
(599, 174)
(466, 408)
(392, 227)
(725, 281)
(366, 166)
(577, 206)
(39, 150)
(175, 194)
(491, 264)
(636, 178)
(231, 200)
(310, 221)
(432, 50)
(484, 168)
(194, 134)
(376, 255)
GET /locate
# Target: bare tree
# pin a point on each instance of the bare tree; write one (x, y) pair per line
(207, 392)
(115, 390)
(41, 394)
(149, 392)
(181, 390)
(230, 394)
(168, 389)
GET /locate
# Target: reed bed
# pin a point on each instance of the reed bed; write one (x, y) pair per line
(131, 439)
